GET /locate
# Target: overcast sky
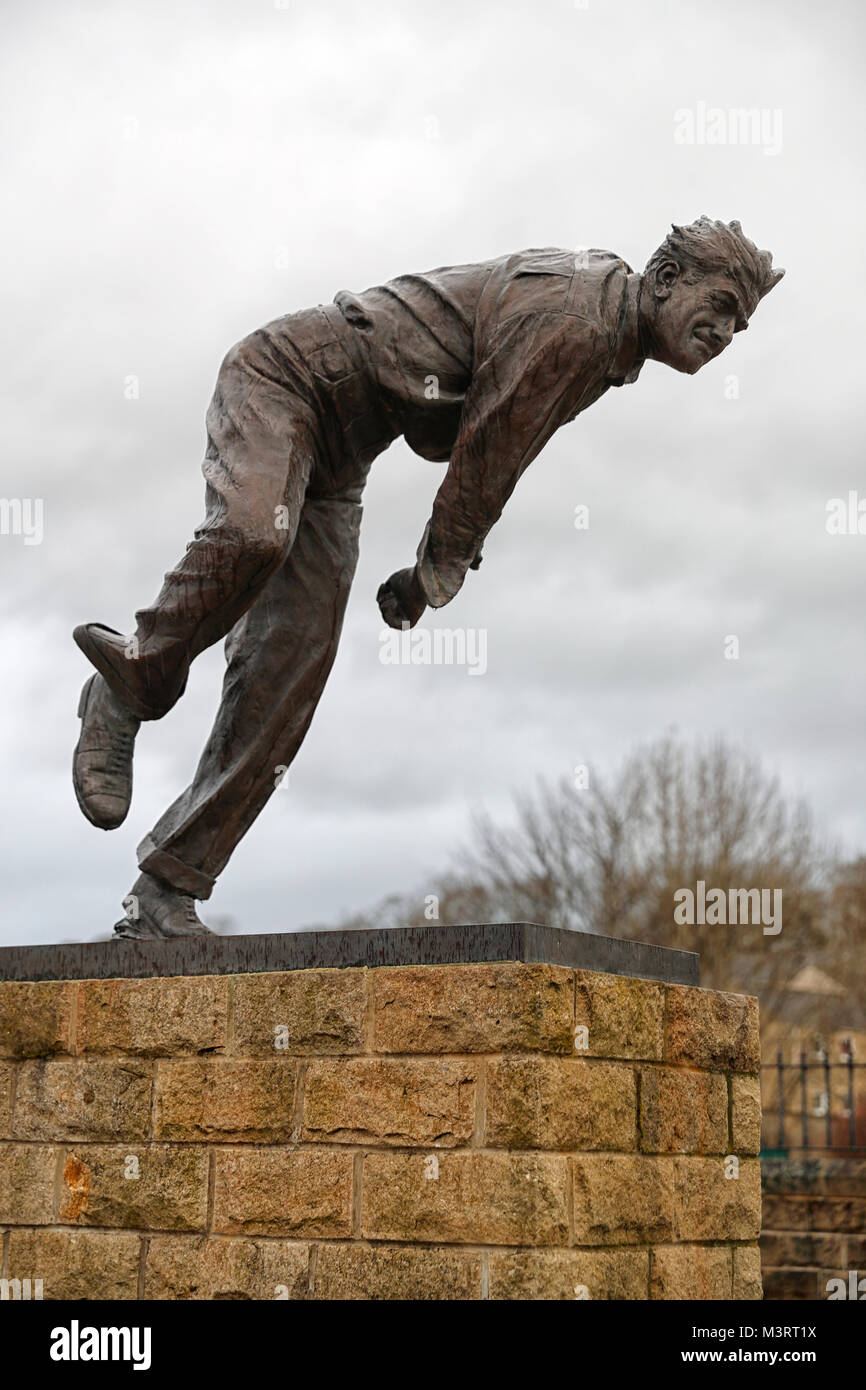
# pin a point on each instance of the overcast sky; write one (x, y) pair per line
(175, 175)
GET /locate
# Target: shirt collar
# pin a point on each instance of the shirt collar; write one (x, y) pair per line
(625, 364)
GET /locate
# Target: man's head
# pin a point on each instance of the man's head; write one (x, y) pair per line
(699, 288)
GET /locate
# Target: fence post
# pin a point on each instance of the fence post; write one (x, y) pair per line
(804, 1098)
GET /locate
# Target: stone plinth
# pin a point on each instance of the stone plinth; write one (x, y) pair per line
(511, 1129)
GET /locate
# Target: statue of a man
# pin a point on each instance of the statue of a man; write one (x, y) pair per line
(475, 364)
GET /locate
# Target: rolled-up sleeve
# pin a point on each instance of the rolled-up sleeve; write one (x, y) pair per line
(531, 377)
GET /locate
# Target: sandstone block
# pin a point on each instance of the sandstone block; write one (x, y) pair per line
(79, 1100)
(568, 1274)
(473, 1008)
(712, 1206)
(793, 1177)
(470, 1198)
(228, 1100)
(220, 1268)
(843, 1177)
(7, 1072)
(745, 1114)
(623, 1199)
(747, 1272)
(803, 1249)
(152, 1018)
(158, 1188)
(299, 1012)
(27, 1184)
(623, 1016)
(683, 1111)
(855, 1256)
(793, 1285)
(283, 1192)
(786, 1214)
(380, 1272)
(35, 1018)
(707, 1028)
(690, 1271)
(828, 1214)
(560, 1103)
(77, 1264)
(390, 1101)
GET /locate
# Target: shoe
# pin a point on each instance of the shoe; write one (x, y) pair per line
(109, 652)
(102, 762)
(155, 911)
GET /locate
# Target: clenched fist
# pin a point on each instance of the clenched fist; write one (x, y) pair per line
(401, 598)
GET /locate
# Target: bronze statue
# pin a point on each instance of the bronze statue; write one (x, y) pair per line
(475, 364)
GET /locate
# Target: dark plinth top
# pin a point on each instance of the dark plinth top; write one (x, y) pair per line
(428, 945)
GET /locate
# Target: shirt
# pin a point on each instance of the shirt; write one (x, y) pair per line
(481, 364)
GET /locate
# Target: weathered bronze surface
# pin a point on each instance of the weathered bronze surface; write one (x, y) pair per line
(477, 365)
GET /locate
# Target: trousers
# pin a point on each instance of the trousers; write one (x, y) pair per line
(291, 431)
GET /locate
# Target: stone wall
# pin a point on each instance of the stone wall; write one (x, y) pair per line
(503, 1131)
(814, 1224)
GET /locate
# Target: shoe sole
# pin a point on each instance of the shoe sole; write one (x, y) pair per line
(85, 640)
(83, 702)
(126, 930)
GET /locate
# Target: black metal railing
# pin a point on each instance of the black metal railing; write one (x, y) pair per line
(833, 1116)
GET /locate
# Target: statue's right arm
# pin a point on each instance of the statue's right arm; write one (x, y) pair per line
(528, 383)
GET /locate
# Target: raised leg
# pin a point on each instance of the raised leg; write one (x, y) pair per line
(261, 451)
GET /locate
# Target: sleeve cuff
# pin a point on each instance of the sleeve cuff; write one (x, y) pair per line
(437, 590)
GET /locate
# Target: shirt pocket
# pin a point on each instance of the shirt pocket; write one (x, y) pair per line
(532, 289)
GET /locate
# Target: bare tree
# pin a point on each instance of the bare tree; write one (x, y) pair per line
(610, 856)
(844, 954)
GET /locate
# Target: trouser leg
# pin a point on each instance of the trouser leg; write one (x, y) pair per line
(261, 451)
(279, 657)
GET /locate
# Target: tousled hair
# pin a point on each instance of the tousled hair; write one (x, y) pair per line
(707, 246)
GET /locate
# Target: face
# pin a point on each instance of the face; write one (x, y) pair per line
(690, 324)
